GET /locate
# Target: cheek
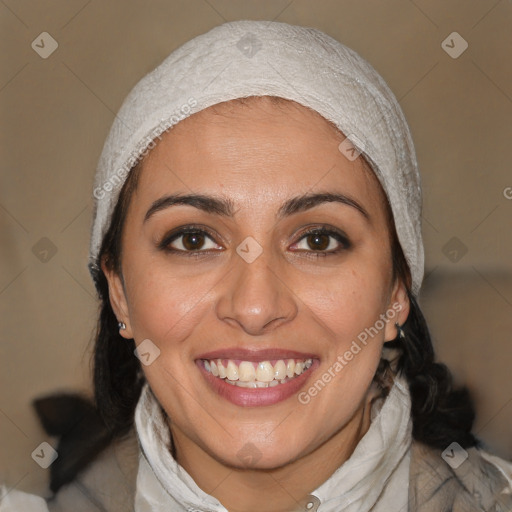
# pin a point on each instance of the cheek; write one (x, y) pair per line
(350, 300)
(349, 306)
(164, 306)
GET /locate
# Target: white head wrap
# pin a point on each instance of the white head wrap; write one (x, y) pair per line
(258, 58)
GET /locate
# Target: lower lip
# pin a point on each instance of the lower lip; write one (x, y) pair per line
(254, 397)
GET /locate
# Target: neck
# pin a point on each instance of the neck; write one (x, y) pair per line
(282, 488)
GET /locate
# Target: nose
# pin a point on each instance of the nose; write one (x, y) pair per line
(255, 297)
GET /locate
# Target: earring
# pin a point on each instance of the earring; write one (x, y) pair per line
(400, 331)
(121, 326)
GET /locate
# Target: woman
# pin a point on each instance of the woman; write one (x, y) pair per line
(257, 249)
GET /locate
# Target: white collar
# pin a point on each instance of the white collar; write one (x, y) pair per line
(376, 475)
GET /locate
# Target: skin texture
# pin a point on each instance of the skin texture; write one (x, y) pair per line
(258, 155)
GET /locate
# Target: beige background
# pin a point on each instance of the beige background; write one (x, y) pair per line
(56, 113)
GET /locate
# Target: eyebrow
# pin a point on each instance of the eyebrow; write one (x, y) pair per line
(226, 208)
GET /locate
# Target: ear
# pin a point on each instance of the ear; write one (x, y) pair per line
(118, 300)
(398, 308)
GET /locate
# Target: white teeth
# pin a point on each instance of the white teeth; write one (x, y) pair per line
(256, 375)
(221, 369)
(290, 368)
(243, 384)
(265, 372)
(280, 370)
(246, 371)
(232, 371)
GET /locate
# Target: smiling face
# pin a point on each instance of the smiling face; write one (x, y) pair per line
(235, 274)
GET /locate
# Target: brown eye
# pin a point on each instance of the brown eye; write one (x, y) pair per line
(192, 241)
(188, 241)
(318, 242)
(324, 241)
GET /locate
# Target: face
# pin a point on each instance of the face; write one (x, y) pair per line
(276, 286)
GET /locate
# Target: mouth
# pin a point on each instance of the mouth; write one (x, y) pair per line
(255, 378)
(262, 374)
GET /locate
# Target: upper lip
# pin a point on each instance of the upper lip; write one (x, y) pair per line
(247, 354)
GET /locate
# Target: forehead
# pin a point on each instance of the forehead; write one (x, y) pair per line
(254, 149)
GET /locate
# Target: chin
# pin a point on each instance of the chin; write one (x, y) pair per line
(249, 456)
